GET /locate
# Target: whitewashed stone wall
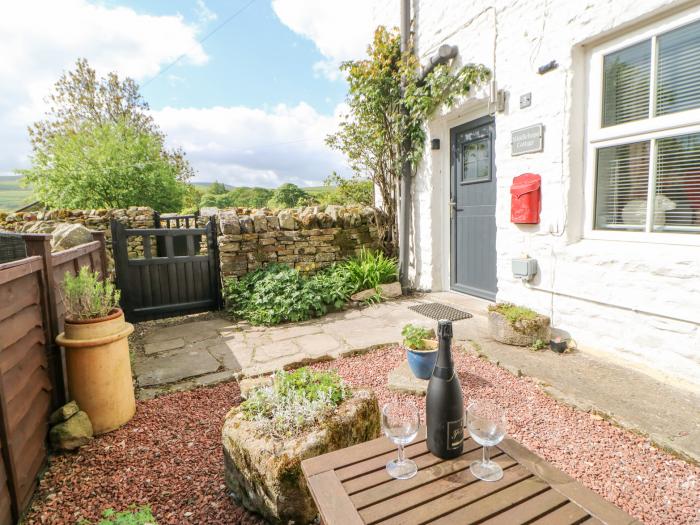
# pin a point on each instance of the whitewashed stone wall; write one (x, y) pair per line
(634, 301)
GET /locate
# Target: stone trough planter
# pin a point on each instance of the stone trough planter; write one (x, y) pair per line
(264, 473)
(519, 333)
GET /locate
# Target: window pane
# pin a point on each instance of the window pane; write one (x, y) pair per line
(679, 70)
(477, 162)
(622, 181)
(677, 202)
(626, 84)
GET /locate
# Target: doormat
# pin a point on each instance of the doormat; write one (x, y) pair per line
(439, 311)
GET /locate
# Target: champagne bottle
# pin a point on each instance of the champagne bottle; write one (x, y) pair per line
(443, 405)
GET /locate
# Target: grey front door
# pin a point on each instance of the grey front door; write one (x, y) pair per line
(473, 209)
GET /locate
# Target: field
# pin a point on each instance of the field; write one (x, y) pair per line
(12, 195)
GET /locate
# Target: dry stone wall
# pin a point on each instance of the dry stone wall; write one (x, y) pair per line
(307, 239)
(47, 221)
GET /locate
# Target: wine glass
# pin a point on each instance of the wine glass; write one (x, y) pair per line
(400, 421)
(486, 422)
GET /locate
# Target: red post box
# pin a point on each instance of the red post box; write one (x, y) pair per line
(525, 199)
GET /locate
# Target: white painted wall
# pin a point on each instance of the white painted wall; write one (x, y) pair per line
(634, 301)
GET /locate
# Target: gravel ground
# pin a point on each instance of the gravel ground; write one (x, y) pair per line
(170, 456)
(624, 468)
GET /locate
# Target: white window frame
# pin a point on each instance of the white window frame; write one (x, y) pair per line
(649, 129)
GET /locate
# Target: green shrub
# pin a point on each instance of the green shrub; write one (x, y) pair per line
(513, 313)
(132, 516)
(371, 269)
(86, 297)
(277, 293)
(414, 336)
(295, 401)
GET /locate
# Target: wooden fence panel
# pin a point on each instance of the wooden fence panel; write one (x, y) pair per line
(25, 387)
(32, 380)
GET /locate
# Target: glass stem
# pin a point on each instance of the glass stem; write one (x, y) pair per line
(402, 456)
(485, 455)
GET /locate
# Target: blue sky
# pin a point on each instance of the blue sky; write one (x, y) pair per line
(254, 60)
(250, 105)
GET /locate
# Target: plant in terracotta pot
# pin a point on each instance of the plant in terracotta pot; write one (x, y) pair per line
(517, 325)
(421, 349)
(97, 350)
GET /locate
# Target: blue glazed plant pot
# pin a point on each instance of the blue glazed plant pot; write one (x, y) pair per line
(422, 362)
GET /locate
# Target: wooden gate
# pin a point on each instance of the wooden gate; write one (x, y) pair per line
(156, 285)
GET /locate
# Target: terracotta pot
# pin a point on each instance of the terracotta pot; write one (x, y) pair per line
(99, 369)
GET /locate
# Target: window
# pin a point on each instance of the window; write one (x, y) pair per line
(644, 132)
(477, 161)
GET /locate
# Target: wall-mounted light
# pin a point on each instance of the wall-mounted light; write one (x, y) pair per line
(435, 144)
(547, 67)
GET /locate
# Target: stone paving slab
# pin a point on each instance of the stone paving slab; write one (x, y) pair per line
(401, 379)
(217, 349)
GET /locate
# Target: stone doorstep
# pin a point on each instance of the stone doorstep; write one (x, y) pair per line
(401, 379)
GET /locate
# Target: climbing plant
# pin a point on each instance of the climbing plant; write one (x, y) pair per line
(388, 107)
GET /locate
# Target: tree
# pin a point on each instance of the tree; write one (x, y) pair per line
(289, 195)
(82, 104)
(355, 190)
(111, 165)
(217, 188)
(389, 105)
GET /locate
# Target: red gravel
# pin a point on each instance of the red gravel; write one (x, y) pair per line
(169, 456)
(623, 467)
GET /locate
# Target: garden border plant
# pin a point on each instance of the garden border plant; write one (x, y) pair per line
(278, 293)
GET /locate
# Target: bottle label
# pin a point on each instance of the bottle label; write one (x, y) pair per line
(455, 434)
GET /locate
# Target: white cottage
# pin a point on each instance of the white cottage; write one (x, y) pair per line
(601, 99)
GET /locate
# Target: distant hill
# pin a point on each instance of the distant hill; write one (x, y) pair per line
(12, 195)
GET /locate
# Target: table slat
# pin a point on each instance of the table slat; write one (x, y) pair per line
(393, 487)
(568, 514)
(333, 504)
(530, 509)
(495, 503)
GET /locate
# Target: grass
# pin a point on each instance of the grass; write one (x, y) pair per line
(12, 195)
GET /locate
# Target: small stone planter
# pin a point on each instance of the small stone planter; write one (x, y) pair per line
(264, 474)
(519, 333)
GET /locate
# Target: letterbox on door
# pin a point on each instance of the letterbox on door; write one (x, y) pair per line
(525, 199)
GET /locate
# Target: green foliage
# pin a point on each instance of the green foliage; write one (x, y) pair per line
(111, 165)
(538, 344)
(389, 106)
(278, 293)
(132, 516)
(371, 269)
(191, 199)
(295, 401)
(414, 336)
(289, 196)
(217, 188)
(513, 313)
(242, 197)
(86, 297)
(356, 190)
(99, 147)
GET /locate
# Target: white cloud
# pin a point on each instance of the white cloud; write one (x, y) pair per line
(255, 147)
(341, 30)
(40, 39)
(204, 14)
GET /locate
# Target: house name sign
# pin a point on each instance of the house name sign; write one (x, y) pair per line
(527, 140)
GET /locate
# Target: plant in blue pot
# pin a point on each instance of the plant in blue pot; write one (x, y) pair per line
(421, 348)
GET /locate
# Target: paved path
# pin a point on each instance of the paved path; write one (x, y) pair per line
(201, 352)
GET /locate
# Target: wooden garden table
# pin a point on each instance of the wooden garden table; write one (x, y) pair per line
(351, 487)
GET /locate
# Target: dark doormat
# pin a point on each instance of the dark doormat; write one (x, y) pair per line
(439, 311)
